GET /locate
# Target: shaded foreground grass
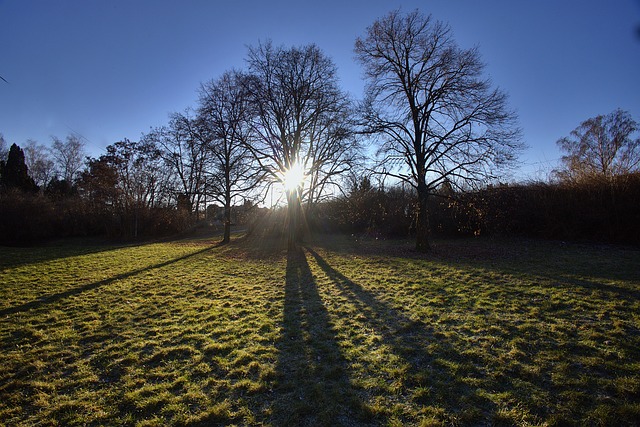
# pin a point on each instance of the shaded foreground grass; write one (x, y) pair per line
(339, 332)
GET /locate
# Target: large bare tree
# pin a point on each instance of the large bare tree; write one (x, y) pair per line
(301, 122)
(602, 146)
(68, 155)
(439, 119)
(224, 114)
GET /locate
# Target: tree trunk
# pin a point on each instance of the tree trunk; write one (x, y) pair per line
(293, 217)
(227, 223)
(135, 223)
(422, 222)
(227, 213)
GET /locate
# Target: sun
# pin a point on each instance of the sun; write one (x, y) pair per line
(293, 177)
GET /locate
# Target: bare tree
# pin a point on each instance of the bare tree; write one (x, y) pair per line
(184, 148)
(602, 146)
(333, 152)
(300, 121)
(224, 113)
(68, 156)
(138, 168)
(39, 162)
(438, 118)
(4, 149)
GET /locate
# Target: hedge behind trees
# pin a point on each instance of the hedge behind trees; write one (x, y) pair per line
(606, 210)
(27, 218)
(603, 210)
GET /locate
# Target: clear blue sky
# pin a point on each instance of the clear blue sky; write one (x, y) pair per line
(112, 69)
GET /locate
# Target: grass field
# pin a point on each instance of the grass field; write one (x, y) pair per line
(340, 332)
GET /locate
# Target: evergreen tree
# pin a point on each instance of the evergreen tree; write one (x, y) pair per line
(14, 172)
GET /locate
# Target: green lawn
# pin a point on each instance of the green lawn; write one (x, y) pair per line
(340, 332)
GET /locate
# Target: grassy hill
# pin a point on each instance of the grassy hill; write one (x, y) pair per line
(340, 332)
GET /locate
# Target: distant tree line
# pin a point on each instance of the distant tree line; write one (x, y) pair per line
(596, 208)
(429, 123)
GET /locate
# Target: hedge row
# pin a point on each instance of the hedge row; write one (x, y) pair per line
(597, 210)
(31, 218)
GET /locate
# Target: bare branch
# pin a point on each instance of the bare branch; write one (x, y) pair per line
(427, 99)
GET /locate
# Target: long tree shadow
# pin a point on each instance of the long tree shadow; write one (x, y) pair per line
(49, 299)
(313, 386)
(435, 366)
(16, 256)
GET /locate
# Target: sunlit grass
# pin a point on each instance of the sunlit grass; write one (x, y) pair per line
(339, 332)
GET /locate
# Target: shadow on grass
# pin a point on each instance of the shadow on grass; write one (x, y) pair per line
(434, 368)
(616, 292)
(50, 299)
(15, 256)
(565, 263)
(313, 386)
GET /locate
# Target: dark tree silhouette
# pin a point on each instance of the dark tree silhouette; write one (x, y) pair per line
(300, 121)
(14, 173)
(224, 113)
(98, 184)
(438, 117)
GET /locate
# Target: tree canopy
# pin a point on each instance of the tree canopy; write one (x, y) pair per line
(439, 119)
(300, 120)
